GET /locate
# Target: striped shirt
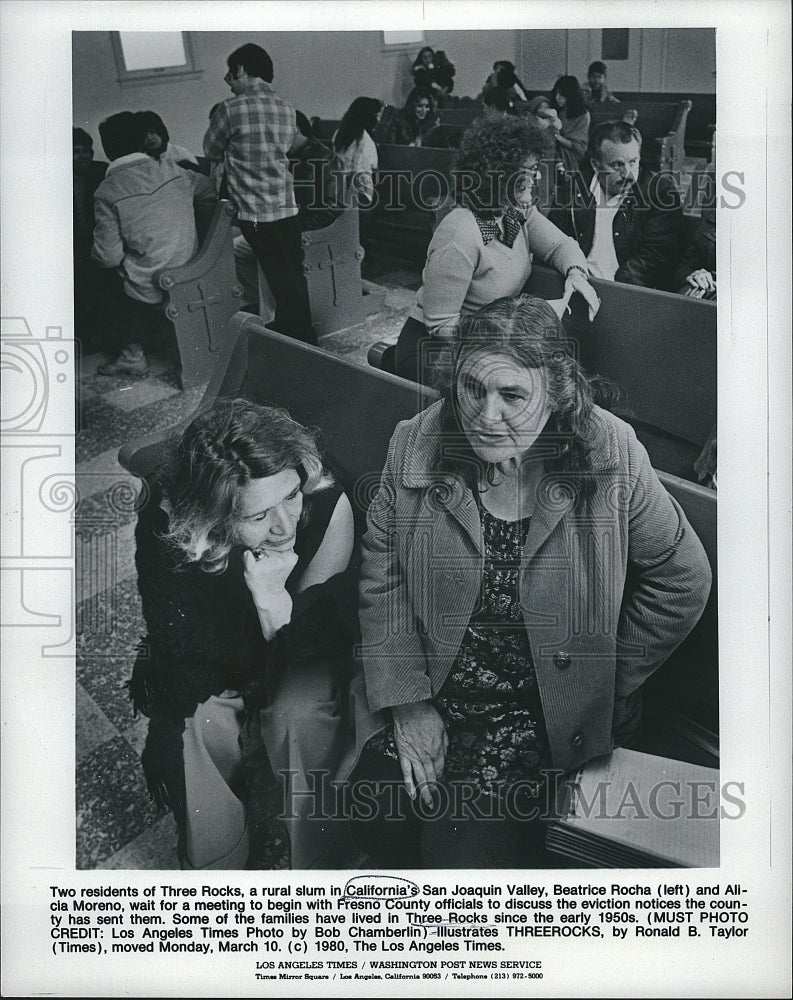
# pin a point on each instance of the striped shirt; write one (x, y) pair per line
(251, 134)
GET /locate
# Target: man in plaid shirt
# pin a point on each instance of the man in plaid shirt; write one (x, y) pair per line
(252, 134)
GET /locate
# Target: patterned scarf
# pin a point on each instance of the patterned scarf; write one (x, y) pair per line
(512, 221)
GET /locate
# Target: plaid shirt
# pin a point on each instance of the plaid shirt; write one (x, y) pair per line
(251, 134)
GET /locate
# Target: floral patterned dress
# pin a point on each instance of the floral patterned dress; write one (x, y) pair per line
(490, 702)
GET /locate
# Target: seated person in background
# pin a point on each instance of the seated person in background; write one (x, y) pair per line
(351, 177)
(422, 68)
(471, 585)
(596, 91)
(145, 221)
(415, 123)
(242, 551)
(503, 86)
(87, 175)
(157, 142)
(571, 139)
(696, 273)
(545, 115)
(627, 220)
(482, 250)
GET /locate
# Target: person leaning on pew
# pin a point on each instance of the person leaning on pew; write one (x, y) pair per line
(524, 571)
(243, 554)
(626, 219)
(482, 250)
(145, 221)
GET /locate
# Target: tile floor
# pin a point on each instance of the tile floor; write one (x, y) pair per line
(118, 827)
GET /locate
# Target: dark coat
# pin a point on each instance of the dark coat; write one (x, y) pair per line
(647, 227)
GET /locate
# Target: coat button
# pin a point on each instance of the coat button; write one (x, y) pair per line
(562, 660)
(577, 740)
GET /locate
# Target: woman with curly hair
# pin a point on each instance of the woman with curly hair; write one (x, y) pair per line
(572, 139)
(524, 572)
(243, 548)
(482, 249)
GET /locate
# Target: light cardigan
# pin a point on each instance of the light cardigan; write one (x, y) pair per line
(462, 274)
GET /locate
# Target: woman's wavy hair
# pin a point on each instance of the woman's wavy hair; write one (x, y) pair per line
(490, 159)
(570, 89)
(421, 94)
(361, 116)
(527, 331)
(219, 453)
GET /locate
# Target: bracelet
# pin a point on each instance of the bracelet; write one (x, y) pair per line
(576, 267)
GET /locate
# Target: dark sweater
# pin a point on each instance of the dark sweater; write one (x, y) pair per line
(204, 636)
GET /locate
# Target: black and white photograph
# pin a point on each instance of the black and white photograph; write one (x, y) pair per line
(365, 529)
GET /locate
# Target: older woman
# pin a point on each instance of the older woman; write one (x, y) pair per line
(524, 571)
(482, 249)
(241, 553)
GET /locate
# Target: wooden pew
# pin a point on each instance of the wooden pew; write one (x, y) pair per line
(446, 136)
(344, 398)
(411, 184)
(332, 266)
(461, 117)
(202, 295)
(659, 348)
(701, 118)
(200, 298)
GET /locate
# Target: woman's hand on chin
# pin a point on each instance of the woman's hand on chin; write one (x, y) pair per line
(266, 578)
(421, 742)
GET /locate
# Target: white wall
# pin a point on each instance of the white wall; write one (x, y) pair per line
(659, 59)
(322, 72)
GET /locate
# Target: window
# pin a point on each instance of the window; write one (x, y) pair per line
(402, 37)
(149, 56)
(614, 43)
(396, 42)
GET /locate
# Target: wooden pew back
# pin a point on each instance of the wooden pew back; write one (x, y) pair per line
(660, 349)
(332, 265)
(356, 410)
(461, 117)
(200, 298)
(411, 181)
(701, 117)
